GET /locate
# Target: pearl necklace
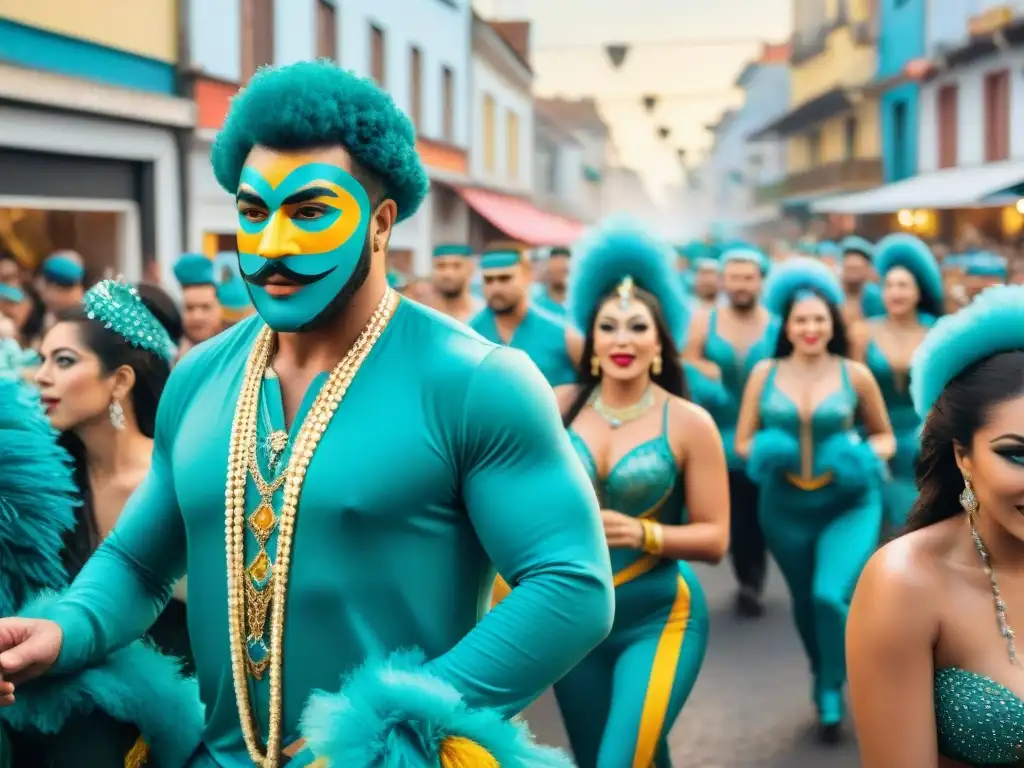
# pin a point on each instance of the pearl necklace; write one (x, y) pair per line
(306, 441)
(616, 417)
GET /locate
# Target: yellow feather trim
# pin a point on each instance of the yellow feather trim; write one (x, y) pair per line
(138, 755)
(457, 752)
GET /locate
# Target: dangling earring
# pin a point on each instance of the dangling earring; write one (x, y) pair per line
(116, 413)
(595, 366)
(656, 366)
(967, 498)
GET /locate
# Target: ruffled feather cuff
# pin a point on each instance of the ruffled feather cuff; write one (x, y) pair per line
(854, 464)
(771, 452)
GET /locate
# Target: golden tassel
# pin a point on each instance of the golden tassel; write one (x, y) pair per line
(138, 755)
(457, 752)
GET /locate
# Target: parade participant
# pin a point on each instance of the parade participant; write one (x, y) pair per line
(934, 665)
(10, 270)
(913, 297)
(378, 458)
(983, 270)
(820, 485)
(549, 294)
(512, 319)
(202, 317)
(451, 271)
(92, 718)
(707, 281)
(61, 283)
(641, 443)
(725, 343)
(234, 298)
(863, 296)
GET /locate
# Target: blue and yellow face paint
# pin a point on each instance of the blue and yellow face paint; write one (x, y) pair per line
(306, 221)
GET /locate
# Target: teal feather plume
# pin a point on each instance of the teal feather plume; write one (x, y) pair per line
(772, 451)
(911, 253)
(796, 275)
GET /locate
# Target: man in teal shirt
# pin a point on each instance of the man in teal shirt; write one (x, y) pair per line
(511, 318)
(450, 275)
(361, 465)
(549, 293)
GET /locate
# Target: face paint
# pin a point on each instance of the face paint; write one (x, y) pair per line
(306, 222)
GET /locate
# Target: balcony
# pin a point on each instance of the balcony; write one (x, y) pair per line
(843, 176)
(770, 193)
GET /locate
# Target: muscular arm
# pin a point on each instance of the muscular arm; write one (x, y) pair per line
(129, 579)
(705, 536)
(873, 411)
(696, 341)
(890, 637)
(536, 515)
(574, 343)
(750, 408)
(859, 336)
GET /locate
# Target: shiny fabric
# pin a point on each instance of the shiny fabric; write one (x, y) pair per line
(541, 336)
(447, 455)
(979, 721)
(637, 681)
(820, 538)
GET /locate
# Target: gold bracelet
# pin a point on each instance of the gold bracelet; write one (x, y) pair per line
(654, 538)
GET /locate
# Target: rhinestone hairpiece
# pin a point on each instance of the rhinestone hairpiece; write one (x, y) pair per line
(118, 306)
(626, 292)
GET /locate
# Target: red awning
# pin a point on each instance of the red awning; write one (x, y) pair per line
(520, 219)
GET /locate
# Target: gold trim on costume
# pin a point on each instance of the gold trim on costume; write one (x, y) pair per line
(809, 483)
(138, 755)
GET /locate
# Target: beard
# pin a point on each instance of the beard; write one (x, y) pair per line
(504, 308)
(744, 302)
(448, 292)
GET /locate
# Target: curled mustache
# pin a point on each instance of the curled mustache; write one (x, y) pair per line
(275, 267)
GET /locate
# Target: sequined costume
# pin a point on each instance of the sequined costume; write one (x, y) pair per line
(424, 459)
(636, 682)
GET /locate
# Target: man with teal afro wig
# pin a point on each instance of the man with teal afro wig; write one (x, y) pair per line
(341, 474)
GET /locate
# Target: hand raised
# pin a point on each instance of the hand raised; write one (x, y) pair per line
(28, 647)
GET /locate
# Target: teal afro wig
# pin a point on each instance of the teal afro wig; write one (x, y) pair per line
(855, 244)
(909, 252)
(797, 275)
(617, 248)
(314, 103)
(746, 253)
(991, 324)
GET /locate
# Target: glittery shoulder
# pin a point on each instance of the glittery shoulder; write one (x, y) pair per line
(979, 721)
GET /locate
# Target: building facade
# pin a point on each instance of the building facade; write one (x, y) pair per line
(901, 41)
(418, 51)
(833, 141)
(92, 131)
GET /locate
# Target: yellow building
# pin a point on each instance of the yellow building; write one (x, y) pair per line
(832, 133)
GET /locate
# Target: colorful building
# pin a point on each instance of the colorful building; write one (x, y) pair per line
(833, 141)
(901, 42)
(91, 132)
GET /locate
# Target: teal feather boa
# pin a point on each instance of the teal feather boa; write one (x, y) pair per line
(771, 452)
(395, 714)
(136, 685)
(854, 464)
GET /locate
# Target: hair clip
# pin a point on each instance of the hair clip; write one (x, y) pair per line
(626, 292)
(120, 308)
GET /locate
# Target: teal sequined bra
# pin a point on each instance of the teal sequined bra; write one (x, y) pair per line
(979, 721)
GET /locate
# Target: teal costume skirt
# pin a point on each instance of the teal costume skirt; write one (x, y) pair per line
(620, 702)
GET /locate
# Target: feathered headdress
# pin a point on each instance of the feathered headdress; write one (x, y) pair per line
(909, 252)
(38, 496)
(992, 323)
(621, 248)
(800, 274)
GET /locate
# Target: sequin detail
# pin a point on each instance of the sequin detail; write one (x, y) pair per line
(979, 721)
(118, 306)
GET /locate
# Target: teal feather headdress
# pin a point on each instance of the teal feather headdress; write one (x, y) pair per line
(11, 293)
(855, 244)
(986, 264)
(909, 252)
(117, 305)
(797, 275)
(38, 496)
(314, 104)
(64, 268)
(194, 269)
(618, 248)
(992, 323)
(746, 253)
(827, 249)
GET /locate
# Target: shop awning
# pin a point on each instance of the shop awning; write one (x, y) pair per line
(520, 219)
(806, 115)
(945, 189)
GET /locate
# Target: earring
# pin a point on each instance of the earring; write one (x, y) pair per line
(116, 413)
(967, 498)
(595, 366)
(656, 365)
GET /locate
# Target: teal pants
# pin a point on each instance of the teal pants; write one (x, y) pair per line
(900, 492)
(620, 702)
(821, 540)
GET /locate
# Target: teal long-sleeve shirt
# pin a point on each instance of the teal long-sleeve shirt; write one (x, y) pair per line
(446, 456)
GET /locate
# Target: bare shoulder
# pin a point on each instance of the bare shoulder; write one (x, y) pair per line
(689, 418)
(859, 373)
(760, 370)
(564, 395)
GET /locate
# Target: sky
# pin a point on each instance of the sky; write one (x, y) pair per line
(695, 81)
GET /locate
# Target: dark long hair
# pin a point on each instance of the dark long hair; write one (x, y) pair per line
(32, 330)
(960, 411)
(839, 343)
(671, 379)
(151, 372)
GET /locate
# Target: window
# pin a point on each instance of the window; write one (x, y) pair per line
(512, 136)
(901, 148)
(416, 83)
(997, 116)
(948, 112)
(814, 148)
(448, 104)
(378, 61)
(850, 138)
(257, 36)
(326, 30)
(489, 128)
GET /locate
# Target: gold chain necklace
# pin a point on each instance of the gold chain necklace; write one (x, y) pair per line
(616, 417)
(239, 450)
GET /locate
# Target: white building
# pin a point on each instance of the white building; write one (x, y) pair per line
(418, 50)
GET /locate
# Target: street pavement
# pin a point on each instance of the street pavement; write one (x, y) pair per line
(751, 706)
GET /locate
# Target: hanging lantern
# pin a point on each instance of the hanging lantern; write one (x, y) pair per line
(681, 154)
(664, 132)
(650, 102)
(616, 54)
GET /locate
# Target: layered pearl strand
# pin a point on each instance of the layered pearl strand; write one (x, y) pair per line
(242, 430)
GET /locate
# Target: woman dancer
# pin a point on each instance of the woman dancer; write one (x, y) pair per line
(913, 296)
(820, 496)
(93, 718)
(103, 370)
(934, 668)
(637, 436)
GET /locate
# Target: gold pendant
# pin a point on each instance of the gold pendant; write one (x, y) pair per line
(278, 440)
